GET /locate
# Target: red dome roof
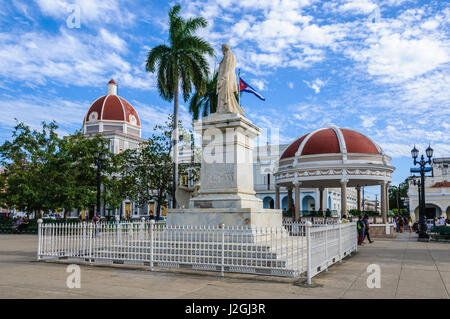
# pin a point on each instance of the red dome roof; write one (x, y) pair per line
(331, 140)
(112, 107)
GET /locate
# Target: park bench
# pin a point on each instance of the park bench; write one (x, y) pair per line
(440, 232)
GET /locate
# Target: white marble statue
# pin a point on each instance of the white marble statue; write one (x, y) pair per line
(226, 84)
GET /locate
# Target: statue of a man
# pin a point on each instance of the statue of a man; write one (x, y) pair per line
(227, 85)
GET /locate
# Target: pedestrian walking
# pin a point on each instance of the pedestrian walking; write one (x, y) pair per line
(410, 224)
(400, 224)
(366, 229)
(361, 227)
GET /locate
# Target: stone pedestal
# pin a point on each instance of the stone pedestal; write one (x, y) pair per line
(226, 194)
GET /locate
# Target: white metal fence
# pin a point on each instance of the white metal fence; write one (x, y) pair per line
(293, 250)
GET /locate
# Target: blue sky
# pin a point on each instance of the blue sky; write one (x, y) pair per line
(379, 67)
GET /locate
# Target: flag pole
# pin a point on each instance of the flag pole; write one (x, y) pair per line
(239, 87)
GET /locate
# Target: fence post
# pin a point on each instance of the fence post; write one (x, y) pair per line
(223, 250)
(141, 230)
(326, 247)
(90, 241)
(119, 227)
(39, 238)
(83, 237)
(152, 223)
(340, 240)
(308, 225)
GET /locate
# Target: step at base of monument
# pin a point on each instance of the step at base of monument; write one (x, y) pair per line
(269, 259)
(228, 268)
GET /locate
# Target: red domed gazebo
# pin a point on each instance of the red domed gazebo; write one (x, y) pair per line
(333, 157)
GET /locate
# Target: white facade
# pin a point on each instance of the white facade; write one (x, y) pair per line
(437, 191)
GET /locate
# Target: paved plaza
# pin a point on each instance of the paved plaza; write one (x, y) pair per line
(409, 269)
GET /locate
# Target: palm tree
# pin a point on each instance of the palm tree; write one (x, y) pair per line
(182, 63)
(205, 103)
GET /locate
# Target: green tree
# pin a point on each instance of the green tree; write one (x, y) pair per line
(116, 181)
(44, 172)
(146, 172)
(182, 63)
(397, 195)
(30, 177)
(77, 177)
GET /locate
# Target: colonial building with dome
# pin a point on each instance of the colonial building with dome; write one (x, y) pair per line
(324, 169)
(115, 119)
(118, 122)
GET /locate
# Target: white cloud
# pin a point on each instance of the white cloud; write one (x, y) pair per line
(322, 36)
(397, 59)
(32, 110)
(91, 12)
(112, 40)
(367, 121)
(37, 58)
(316, 85)
(357, 6)
(260, 84)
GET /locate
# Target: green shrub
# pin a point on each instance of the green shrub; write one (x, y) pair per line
(355, 212)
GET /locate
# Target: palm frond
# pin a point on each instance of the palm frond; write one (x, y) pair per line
(193, 24)
(155, 55)
(197, 44)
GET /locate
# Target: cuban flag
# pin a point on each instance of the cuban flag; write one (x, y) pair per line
(244, 87)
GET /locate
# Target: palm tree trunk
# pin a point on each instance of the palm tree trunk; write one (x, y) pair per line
(175, 146)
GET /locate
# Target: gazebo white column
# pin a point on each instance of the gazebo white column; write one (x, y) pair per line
(289, 198)
(321, 198)
(297, 201)
(277, 197)
(358, 198)
(387, 199)
(383, 200)
(344, 182)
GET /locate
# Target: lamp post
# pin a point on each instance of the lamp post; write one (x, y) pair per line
(419, 187)
(99, 158)
(422, 164)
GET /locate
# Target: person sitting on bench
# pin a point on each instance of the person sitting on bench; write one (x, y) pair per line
(22, 224)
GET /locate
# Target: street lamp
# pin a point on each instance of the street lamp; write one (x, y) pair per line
(422, 164)
(99, 158)
(419, 187)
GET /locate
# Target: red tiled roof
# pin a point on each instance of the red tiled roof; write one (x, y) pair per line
(358, 143)
(291, 149)
(322, 142)
(441, 184)
(326, 141)
(114, 108)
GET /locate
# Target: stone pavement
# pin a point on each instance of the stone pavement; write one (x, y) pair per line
(409, 269)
